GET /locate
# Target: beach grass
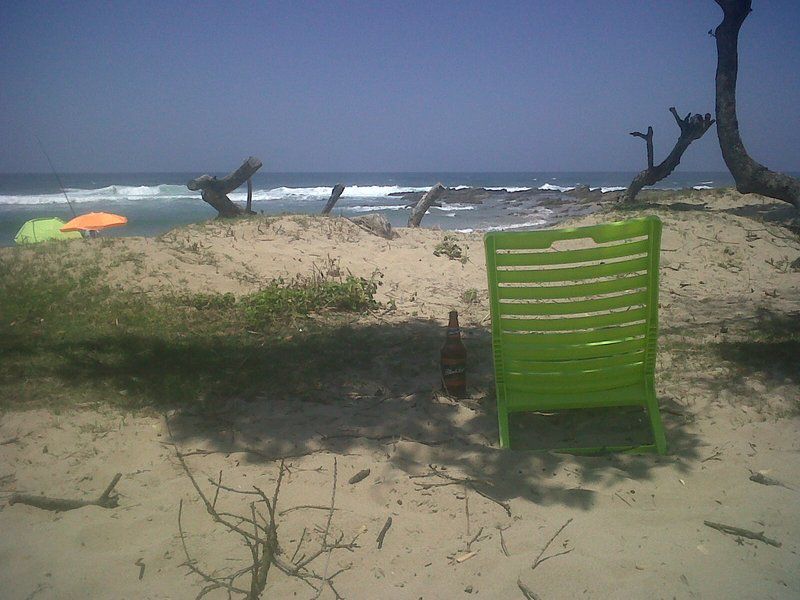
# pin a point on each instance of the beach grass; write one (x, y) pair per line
(67, 338)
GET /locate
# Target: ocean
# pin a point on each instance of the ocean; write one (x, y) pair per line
(157, 202)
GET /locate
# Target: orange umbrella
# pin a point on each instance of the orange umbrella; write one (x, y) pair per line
(94, 222)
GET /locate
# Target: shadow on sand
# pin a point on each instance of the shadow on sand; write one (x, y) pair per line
(372, 388)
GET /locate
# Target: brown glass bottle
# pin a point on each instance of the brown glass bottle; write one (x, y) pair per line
(454, 360)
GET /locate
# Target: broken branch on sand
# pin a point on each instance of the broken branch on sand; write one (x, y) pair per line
(105, 500)
(450, 480)
(262, 541)
(382, 534)
(753, 535)
(539, 560)
(526, 591)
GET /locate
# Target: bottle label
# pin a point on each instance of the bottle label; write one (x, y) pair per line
(450, 371)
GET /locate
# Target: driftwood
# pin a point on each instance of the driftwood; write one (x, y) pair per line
(376, 224)
(693, 127)
(424, 204)
(215, 191)
(105, 500)
(337, 191)
(249, 206)
(738, 531)
(750, 176)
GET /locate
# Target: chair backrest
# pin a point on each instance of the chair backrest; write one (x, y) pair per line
(567, 324)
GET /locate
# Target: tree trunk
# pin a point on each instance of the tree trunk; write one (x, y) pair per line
(693, 127)
(337, 191)
(249, 206)
(215, 191)
(424, 204)
(750, 176)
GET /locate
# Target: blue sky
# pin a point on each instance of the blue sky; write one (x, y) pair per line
(383, 86)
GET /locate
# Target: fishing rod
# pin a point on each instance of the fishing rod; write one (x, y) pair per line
(61, 185)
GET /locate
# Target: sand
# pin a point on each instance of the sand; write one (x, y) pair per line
(635, 522)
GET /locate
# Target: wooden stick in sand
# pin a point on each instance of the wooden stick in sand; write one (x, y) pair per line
(105, 500)
(753, 535)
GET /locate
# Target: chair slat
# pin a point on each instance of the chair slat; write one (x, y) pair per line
(567, 367)
(529, 240)
(539, 292)
(572, 273)
(530, 352)
(574, 323)
(573, 308)
(571, 256)
(509, 340)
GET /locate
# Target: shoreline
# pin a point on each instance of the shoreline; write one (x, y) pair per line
(461, 209)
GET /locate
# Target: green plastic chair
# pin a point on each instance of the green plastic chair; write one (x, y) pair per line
(576, 328)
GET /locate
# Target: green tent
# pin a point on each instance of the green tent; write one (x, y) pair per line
(40, 230)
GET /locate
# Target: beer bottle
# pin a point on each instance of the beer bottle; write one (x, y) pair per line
(454, 360)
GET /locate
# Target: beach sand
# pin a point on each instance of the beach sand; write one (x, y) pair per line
(729, 399)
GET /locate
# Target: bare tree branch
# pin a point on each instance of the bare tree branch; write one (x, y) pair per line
(692, 127)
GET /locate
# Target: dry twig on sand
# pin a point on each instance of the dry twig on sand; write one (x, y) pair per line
(450, 480)
(539, 560)
(259, 532)
(526, 591)
(382, 534)
(738, 531)
(105, 500)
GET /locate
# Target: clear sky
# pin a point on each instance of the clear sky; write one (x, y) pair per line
(383, 85)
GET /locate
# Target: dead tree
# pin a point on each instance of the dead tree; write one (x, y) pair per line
(424, 204)
(215, 191)
(750, 176)
(337, 191)
(259, 532)
(692, 128)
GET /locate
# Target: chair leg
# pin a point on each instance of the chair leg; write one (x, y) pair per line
(502, 420)
(656, 425)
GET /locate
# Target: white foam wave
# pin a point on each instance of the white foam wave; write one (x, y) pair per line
(376, 207)
(118, 193)
(451, 207)
(702, 187)
(535, 223)
(111, 193)
(549, 187)
(324, 192)
(613, 188)
(509, 189)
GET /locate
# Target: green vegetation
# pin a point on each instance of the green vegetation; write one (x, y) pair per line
(449, 248)
(470, 296)
(67, 338)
